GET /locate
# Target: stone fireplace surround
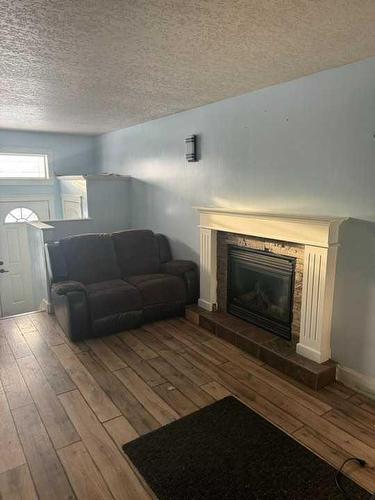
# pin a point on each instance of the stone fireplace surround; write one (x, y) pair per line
(312, 240)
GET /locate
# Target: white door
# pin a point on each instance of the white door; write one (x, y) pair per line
(16, 293)
(72, 206)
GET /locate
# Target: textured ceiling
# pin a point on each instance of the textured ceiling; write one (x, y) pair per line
(96, 65)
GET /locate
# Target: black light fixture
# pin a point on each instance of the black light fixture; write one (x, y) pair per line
(191, 148)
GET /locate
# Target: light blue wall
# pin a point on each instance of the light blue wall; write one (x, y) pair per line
(109, 210)
(304, 147)
(109, 204)
(353, 341)
(67, 154)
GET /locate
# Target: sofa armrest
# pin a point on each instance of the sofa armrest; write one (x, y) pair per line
(71, 308)
(178, 267)
(188, 271)
(65, 287)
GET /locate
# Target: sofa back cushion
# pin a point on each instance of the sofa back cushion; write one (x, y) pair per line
(164, 248)
(56, 267)
(137, 252)
(90, 258)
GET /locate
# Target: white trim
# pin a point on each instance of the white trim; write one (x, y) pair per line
(28, 197)
(254, 213)
(71, 177)
(46, 306)
(356, 380)
(71, 198)
(319, 235)
(20, 314)
(208, 256)
(49, 181)
(309, 352)
(317, 302)
(53, 221)
(23, 181)
(40, 225)
(94, 177)
(305, 230)
(24, 153)
(204, 304)
(107, 177)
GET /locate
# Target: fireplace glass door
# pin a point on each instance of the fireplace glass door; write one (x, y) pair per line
(260, 289)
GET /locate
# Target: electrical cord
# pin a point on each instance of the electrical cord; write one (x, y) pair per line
(361, 463)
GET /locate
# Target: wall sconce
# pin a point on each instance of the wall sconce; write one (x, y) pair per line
(191, 148)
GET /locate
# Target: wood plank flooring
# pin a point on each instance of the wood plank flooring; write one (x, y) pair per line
(66, 409)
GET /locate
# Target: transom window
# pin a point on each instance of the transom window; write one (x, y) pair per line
(21, 214)
(23, 166)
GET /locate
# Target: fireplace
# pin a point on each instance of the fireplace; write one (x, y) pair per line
(260, 288)
(314, 241)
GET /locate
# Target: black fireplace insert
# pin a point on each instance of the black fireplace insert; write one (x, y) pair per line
(260, 288)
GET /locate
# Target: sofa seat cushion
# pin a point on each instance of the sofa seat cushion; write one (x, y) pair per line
(141, 278)
(112, 297)
(159, 288)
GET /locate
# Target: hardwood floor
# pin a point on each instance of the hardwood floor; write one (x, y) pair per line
(67, 408)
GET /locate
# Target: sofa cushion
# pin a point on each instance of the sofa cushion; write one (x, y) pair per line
(137, 280)
(137, 252)
(164, 248)
(157, 312)
(117, 323)
(112, 297)
(65, 287)
(159, 288)
(56, 265)
(178, 267)
(90, 258)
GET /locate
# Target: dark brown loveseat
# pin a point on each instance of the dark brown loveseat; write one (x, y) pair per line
(105, 283)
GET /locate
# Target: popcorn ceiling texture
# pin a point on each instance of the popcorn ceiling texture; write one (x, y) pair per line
(91, 67)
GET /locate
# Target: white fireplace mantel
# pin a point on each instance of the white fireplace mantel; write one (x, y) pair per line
(320, 237)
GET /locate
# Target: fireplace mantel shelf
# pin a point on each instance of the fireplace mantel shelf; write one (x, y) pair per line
(321, 231)
(320, 238)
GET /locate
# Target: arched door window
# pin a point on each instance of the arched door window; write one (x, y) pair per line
(21, 214)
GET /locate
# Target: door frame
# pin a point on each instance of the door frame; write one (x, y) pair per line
(32, 197)
(50, 199)
(74, 198)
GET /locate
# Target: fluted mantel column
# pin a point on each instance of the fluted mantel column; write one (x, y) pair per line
(208, 259)
(319, 235)
(317, 303)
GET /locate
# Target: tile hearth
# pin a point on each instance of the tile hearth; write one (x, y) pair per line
(276, 352)
(317, 237)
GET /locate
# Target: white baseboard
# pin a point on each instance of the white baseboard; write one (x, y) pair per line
(313, 354)
(355, 380)
(46, 306)
(204, 304)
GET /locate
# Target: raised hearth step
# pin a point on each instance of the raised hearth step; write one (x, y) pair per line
(276, 352)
